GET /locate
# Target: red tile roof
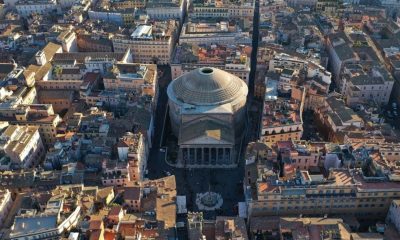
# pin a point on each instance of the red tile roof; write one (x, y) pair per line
(132, 193)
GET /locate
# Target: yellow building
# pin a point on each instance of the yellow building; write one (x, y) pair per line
(282, 118)
(344, 192)
(149, 43)
(128, 18)
(366, 191)
(41, 115)
(128, 4)
(140, 78)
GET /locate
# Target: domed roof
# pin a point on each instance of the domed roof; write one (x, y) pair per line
(207, 86)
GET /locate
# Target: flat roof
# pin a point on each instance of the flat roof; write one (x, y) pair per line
(271, 91)
(31, 224)
(142, 31)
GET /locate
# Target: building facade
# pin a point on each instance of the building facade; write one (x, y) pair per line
(138, 78)
(393, 215)
(23, 145)
(243, 9)
(149, 43)
(235, 60)
(26, 7)
(5, 205)
(133, 149)
(166, 9)
(222, 32)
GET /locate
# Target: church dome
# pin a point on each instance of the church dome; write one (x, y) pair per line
(207, 86)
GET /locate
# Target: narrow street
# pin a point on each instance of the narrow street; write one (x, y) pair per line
(156, 164)
(253, 66)
(253, 118)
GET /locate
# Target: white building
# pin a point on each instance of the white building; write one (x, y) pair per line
(10, 3)
(234, 59)
(315, 70)
(5, 204)
(23, 145)
(42, 226)
(106, 16)
(133, 148)
(335, 115)
(166, 9)
(68, 41)
(284, 61)
(149, 43)
(302, 3)
(392, 4)
(340, 53)
(213, 33)
(116, 176)
(362, 87)
(26, 7)
(393, 215)
(225, 10)
(139, 78)
(69, 3)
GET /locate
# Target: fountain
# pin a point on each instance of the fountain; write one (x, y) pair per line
(209, 201)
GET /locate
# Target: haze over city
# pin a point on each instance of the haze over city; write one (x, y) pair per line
(200, 119)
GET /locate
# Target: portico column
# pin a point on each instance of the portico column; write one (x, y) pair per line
(192, 160)
(202, 156)
(198, 157)
(195, 156)
(226, 154)
(223, 154)
(229, 155)
(189, 159)
(216, 156)
(181, 156)
(221, 160)
(185, 155)
(209, 156)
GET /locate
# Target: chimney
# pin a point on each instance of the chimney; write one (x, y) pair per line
(40, 58)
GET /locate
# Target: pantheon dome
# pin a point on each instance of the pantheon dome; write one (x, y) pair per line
(204, 102)
(207, 86)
